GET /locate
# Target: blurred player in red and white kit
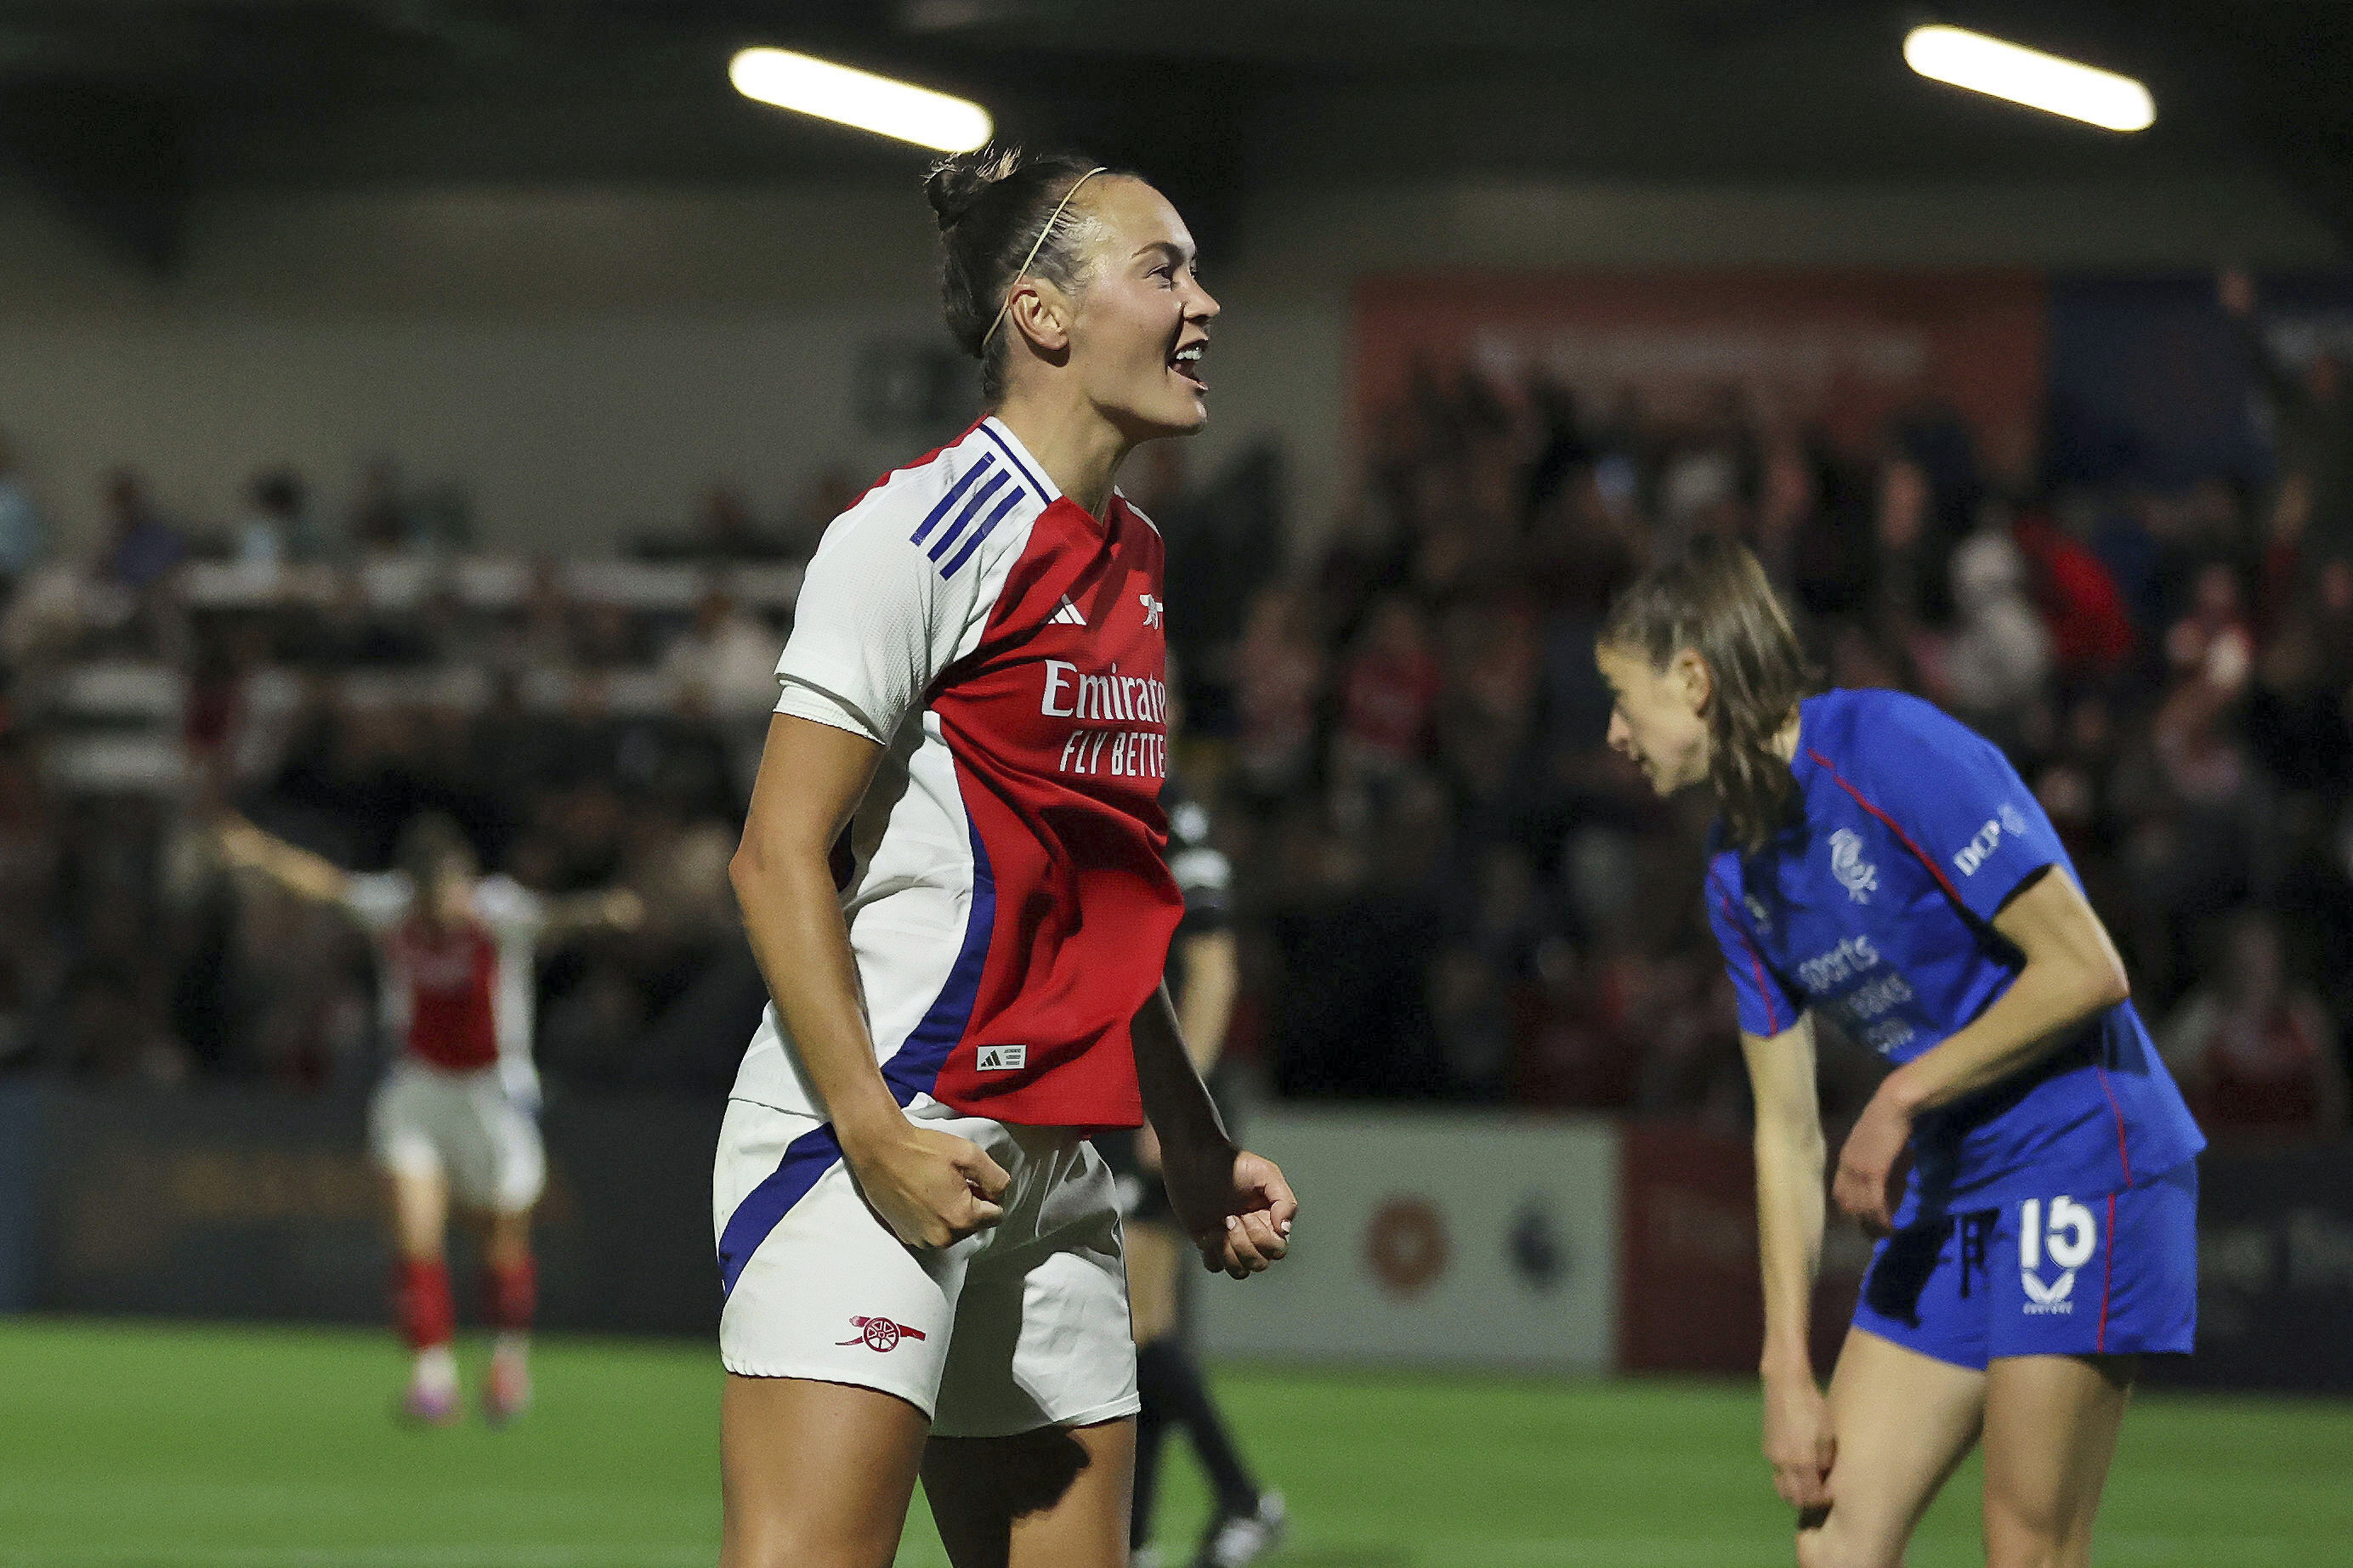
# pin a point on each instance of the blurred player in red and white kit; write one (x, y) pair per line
(954, 877)
(456, 1114)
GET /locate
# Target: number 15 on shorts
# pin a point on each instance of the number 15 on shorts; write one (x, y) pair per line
(2069, 1233)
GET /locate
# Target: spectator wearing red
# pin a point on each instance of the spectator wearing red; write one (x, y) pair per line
(2091, 630)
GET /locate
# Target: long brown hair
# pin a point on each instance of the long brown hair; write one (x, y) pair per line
(1712, 598)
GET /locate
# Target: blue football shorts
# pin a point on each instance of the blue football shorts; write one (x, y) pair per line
(2113, 1274)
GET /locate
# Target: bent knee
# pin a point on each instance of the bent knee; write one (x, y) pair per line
(1837, 1544)
(2039, 1554)
(2046, 1532)
(2019, 1547)
(786, 1544)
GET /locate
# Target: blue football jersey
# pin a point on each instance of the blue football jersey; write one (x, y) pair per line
(1877, 910)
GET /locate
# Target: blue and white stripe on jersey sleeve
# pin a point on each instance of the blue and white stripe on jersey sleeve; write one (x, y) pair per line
(987, 482)
(981, 498)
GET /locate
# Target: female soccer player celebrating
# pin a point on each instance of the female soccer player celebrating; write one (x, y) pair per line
(456, 1114)
(1880, 863)
(953, 878)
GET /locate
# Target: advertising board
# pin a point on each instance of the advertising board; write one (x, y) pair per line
(1434, 1238)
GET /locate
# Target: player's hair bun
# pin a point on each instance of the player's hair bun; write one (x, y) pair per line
(995, 205)
(957, 183)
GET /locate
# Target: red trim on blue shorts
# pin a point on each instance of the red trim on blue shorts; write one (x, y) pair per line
(2107, 1271)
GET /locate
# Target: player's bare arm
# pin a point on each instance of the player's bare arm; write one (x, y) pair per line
(610, 909)
(1212, 969)
(1212, 964)
(298, 871)
(930, 1187)
(1235, 1206)
(2072, 972)
(1799, 1441)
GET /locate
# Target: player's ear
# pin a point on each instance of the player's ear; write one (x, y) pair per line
(1041, 314)
(1691, 680)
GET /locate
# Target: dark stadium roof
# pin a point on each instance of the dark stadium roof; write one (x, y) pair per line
(125, 110)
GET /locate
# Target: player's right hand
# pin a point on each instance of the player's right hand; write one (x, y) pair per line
(1799, 1441)
(932, 1188)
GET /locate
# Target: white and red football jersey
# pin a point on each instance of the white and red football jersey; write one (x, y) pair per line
(458, 999)
(1003, 881)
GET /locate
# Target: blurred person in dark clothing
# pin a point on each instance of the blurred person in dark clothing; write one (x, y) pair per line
(1280, 667)
(382, 523)
(1902, 590)
(109, 1031)
(2299, 717)
(23, 535)
(1389, 688)
(277, 528)
(144, 545)
(2252, 1049)
(2313, 408)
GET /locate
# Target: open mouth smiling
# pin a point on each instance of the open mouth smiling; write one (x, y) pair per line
(1186, 362)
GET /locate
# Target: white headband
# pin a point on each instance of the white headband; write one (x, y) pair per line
(1051, 219)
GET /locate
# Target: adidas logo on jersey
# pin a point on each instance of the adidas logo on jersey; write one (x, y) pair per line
(1068, 616)
(1001, 1058)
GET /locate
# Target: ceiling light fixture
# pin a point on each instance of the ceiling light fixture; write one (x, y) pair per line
(2030, 76)
(858, 97)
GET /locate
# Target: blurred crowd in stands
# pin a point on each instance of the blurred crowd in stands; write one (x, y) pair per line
(1447, 887)
(589, 723)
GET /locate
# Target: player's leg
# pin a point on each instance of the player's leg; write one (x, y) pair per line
(416, 1210)
(510, 1302)
(503, 1168)
(814, 1474)
(1904, 1421)
(2083, 1288)
(2050, 1429)
(1055, 1498)
(418, 1202)
(834, 1335)
(1032, 1457)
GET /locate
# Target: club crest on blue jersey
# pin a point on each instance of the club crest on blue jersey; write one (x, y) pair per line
(1858, 875)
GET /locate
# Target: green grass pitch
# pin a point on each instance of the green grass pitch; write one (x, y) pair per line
(125, 1446)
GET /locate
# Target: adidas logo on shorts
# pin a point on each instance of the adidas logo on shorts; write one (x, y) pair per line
(1002, 1059)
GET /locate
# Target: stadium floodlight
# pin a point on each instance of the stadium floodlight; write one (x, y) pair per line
(851, 96)
(1963, 58)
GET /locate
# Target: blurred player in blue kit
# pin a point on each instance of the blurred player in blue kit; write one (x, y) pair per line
(1879, 863)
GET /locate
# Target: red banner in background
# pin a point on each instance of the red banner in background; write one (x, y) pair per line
(1688, 1293)
(1841, 351)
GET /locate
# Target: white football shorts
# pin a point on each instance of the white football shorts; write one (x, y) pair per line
(429, 1121)
(1019, 1326)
